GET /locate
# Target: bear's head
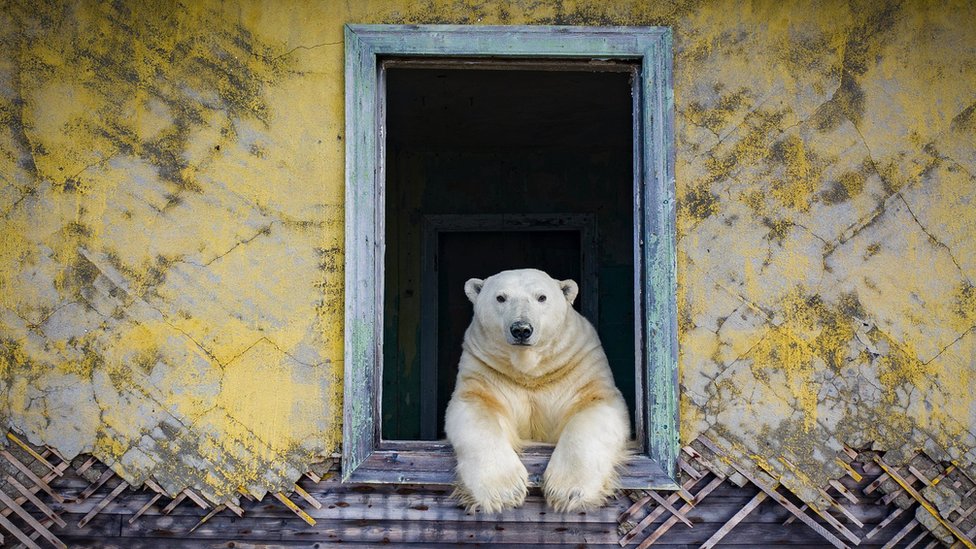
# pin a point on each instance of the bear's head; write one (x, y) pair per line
(522, 307)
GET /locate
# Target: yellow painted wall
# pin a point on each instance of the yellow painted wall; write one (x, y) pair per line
(171, 228)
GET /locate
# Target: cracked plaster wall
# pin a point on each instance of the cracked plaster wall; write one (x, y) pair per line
(171, 193)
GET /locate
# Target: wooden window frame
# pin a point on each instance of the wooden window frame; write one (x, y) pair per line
(366, 457)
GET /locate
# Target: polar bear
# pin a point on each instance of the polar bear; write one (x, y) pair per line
(533, 369)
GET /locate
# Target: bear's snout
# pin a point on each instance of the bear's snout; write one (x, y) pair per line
(521, 331)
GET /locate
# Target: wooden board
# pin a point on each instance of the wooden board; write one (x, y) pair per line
(437, 467)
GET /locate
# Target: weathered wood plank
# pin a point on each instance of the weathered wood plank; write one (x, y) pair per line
(158, 543)
(414, 508)
(222, 527)
(103, 525)
(430, 467)
(758, 530)
(345, 502)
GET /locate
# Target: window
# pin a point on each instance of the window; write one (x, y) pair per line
(613, 233)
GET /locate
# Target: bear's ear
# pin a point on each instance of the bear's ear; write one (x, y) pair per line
(472, 288)
(570, 289)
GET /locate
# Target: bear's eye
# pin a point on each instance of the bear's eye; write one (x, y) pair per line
(500, 299)
(542, 298)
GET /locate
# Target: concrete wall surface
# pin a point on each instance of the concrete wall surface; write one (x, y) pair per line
(171, 228)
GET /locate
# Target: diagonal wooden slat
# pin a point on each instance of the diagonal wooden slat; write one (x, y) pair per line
(37, 526)
(294, 508)
(30, 474)
(86, 465)
(38, 457)
(15, 532)
(850, 470)
(653, 515)
(779, 498)
(842, 490)
(688, 469)
(307, 497)
(172, 505)
(836, 504)
(884, 523)
(661, 530)
(93, 487)
(918, 539)
(901, 533)
(144, 508)
(201, 503)
(960, 535)
(651, 506)
(234, 508)
(875, 484)
(102, 504)
(207, 517)
(37, 502)
(735, 520)
(633, 509)
(664, 503)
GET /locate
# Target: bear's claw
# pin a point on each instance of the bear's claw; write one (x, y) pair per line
(493, 490)
(569, 487)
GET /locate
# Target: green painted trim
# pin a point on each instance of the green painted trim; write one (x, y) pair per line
(365, 207)
(363, 302)
(660, 287)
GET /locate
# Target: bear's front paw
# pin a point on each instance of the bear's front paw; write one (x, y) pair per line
(492, 484)
(571, 487)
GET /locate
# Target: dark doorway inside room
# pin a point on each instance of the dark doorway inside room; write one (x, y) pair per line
(492, 167)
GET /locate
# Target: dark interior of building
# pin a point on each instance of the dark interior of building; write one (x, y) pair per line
(495, 145)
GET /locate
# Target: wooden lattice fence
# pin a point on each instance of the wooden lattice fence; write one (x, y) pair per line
(49, 501)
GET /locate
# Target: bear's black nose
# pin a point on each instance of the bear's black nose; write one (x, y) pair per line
(521, 330)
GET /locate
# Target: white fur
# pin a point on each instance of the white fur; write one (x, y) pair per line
(557, 388)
